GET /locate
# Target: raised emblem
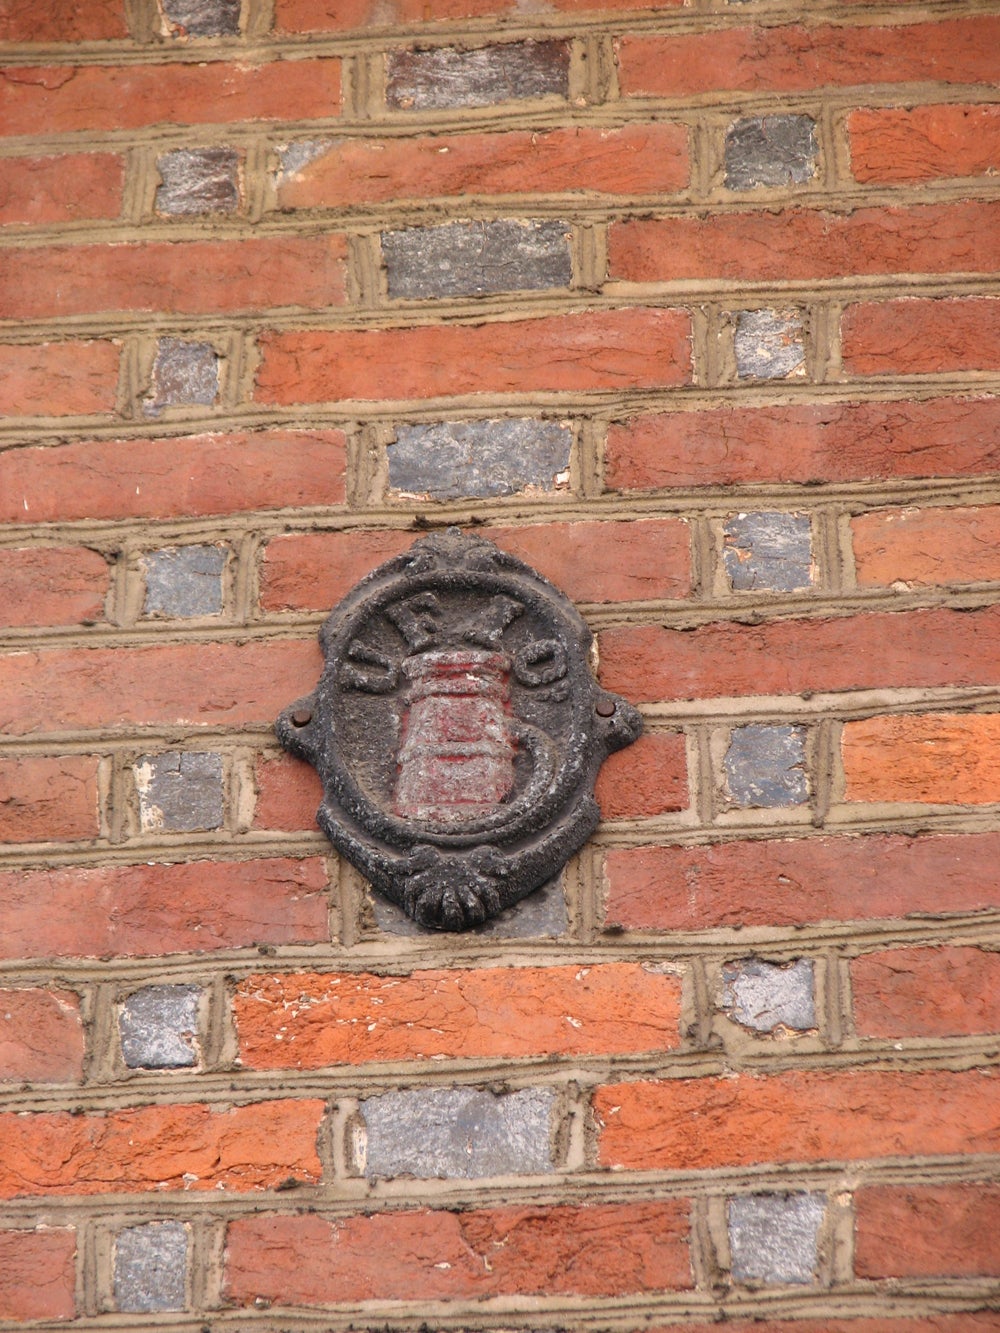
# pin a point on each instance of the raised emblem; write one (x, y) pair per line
(457, 730)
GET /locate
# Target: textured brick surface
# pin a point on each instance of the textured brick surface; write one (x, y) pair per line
(37, 1274)
(770, 150)
(923, 1231)
(184, 581)
(934, 758)
(52, 586)
(444, 77)
(41, 1036)
(919, 337)
(918, 547)
(46, 799)
(475, 258)
(479, 458)
(158, 1026)
(766, 766)
(768, 344)
(58, 379)
(768, 552)
(943, 992)
(198, 180)
(70, 188)
(773, 1238)
(183, 374)
(202, 18)
(180, 792)
(151, 1268)
(764, 996)
(924, 142)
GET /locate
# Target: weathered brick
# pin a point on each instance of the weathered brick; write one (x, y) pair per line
(126, 97)
(444, 77)
(163, 478)
(768, 344)
(41, 1036)
(927, 1230)
(602, 1249)
(130, 911)
(58, 380)
(785, 883)
(338, 15)
(765, 996)
(770, 151)
(288, 794)
(806, 443)
(766, 766)
(62, 21)
(52, 585)
(768, 552)
(924, 142)
(150, 1267)
(949, 991)
(638, 348)
(633, 159)
(498, 456)
(72, 188)
(38, 1273)
(198, 180)
(647, 778)
(930, 758)
(158, 1026)
(922, 337)
(459, 1133)
(921, 547)
(475, 258)
(482, 1013)
(180, 791)
(184, 580)
(183, 374)
(691, 1124)
(169, 1147)
(46, 798)
(774, 1238)
(201, 18)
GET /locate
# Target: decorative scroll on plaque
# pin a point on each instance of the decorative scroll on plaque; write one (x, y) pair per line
(457, 729)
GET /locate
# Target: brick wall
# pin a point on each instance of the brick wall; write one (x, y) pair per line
(694, 308)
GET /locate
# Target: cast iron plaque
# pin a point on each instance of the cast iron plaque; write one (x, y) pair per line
(457, 729)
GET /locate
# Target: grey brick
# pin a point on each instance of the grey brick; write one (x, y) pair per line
(179, 792)
(479, 458)
(202, 18)
(184, 374)
(151, 1268)
(774, 1238)
(475, 258)
(769, 344)
(770, 150)
(184, 581)
(768, 552)
(445, 77)
(765, 766)
(542, 915)
(458, 1133)
(199, 180)
(158, 1027)
(765, 996)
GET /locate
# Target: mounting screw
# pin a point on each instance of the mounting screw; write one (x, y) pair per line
(604, 708)
(301, 717)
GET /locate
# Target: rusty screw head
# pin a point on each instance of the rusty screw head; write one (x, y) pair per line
(301, 717)
(604, 708)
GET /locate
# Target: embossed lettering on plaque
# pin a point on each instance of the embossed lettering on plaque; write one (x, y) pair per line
(457, 729)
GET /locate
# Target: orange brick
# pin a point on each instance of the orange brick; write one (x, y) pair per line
(52, 585)
(927, 1231)
(338, 15)
(921, 337)
(647, 778)
(315, 570)
(930, 758)
(742, 1120)
(924, 142)
(308, 1020)
(922, 547)
(288, 794)
(41, 1036)
(166, 1147)
(38, 1274)
(58, 379)
(72, 188)
(45, 799)
(62, 21)
(951, 991)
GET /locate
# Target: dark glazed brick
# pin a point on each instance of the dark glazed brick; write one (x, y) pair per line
(184, 374)
(768, 552)
(444, 77)
(774, 1238)
(474, 258)
(770, 150)
(479, 458)
(765, 766)
(202, 18)
(198, 180)
(158, 1027)
(542, 915)
(458, 1133)
(180, 793)
(184, 581)
(764, 996)
(768, 344)
(151, 1268)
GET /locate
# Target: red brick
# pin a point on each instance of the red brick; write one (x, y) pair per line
(191, 277)
(924, 142)
(647, 778)
(128, 911)
(803, 1116)
(794, 58)
(634, 159)
(951, 991)
(164, 478)
(338, 15)
(917, 649)
(78, 186)
(805, 243)
(930, 758)
(159, 1148)
(125, 97)
(218, 684)
(309, 1020)
(315, 570)
(58, 379)
(922, 547)
(288, 794)
(41, 1037)
(921, 337)
(927, 1230)
(606, 349)
(52, 585)
(806, 443)
(595, 1250)
(44, 799)
(62, 20)
(933, 1323)
(38, 1274)
(790, 883)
